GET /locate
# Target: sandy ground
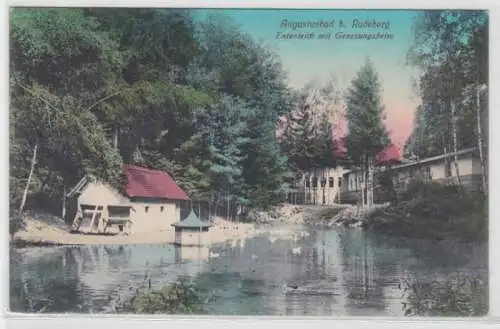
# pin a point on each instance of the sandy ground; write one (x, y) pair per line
(48, 229)
(51, 230)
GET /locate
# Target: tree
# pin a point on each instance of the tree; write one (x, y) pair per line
(248, 70)
(450, 49)
(307, 132)
(367, 134)
(214, 153)
(96, 88)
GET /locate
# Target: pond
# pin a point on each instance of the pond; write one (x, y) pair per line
(334, 272)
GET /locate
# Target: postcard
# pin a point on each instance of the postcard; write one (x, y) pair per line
(263, 162)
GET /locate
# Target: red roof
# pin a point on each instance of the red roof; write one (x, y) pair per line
(147, 183)
(389, 155)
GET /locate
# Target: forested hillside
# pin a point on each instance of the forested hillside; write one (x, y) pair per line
(92, 89)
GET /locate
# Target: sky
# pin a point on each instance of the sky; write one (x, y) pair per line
(319, 59)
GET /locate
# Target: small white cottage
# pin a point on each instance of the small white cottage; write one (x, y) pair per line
(151, 203)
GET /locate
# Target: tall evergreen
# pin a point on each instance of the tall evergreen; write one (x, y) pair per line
(367, 134)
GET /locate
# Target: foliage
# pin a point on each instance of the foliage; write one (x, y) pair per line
(307, 138)
(450, 48)
(453, 297)
(435, 211)
(214, 153)
(96, 88)
(306, 133)
(367, 135)
(385, 184)
(177, 298)
(16, 222)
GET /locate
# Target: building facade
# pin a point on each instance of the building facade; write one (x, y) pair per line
(439, 169)
(319, 186)
(151, 202)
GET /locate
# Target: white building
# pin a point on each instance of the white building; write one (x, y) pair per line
(320, 186)
(438, 168)
(151, 203)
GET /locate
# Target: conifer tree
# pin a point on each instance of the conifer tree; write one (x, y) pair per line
(367, 134)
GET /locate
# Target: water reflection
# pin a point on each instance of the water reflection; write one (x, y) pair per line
(329, 272)
(48, 284)
(363, 284)
(186, 254)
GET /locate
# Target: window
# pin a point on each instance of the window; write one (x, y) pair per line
(340, 181)
(308, 183)
(323, 182)
(146, 208)
(315, 182)
(162, 208)
(330, 182)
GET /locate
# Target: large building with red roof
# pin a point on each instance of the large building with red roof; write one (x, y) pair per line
(151, 202)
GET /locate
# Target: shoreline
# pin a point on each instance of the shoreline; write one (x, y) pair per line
(46, 230)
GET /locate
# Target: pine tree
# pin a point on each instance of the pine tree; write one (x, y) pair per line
(307, 137)
(367, 134)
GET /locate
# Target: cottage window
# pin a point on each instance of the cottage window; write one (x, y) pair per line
(340, 181)
(315, 182)
(330, 182)
(308, 183)
(323, 182)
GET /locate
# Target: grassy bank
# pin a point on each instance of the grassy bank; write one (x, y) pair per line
(453, 297)
(434, 211)
(177, 298)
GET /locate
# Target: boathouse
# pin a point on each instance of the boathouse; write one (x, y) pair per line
(151, 202)
(191, 231)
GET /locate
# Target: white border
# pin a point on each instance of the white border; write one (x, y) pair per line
(60, 321)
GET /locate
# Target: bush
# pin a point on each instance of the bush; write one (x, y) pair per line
(176, 298)
(328, 213)
(16, 222)
(433, 210)
(454, 297)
